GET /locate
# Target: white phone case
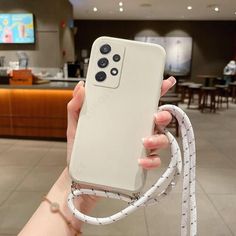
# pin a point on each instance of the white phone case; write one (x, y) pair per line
(116, 114)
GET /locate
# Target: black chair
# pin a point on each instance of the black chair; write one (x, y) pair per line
(232, 87)
(208, 95)
(173, 100)
(222, 95)
(183, 90)
(193, 90)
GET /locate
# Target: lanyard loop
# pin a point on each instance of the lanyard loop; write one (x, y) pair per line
(169, 178)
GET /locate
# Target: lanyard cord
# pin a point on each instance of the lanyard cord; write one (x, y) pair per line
(168, 179)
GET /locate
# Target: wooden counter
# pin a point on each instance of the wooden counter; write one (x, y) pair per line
(38, 111)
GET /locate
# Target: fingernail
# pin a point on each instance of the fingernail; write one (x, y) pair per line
(81, 83)
(155, 115)
(151, 140)
(172, 80)
(140, 161)
(78, 85)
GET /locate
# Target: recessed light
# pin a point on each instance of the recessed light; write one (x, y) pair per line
(121, 9)
(189, 7)
(95, 9)
(214, 7)
(120, 4)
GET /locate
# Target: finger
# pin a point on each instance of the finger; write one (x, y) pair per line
(167, 84)
(162, 118)
(77, 87)
(73, 109)
(149, 162)
(157, 141)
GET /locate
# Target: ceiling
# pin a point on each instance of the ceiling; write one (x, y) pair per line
(155, 9)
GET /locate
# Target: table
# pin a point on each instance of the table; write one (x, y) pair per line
(208, 79)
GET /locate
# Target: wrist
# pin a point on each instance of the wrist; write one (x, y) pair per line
(56, 209)
(59, 193)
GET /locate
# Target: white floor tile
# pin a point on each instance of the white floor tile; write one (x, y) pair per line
(226, 206)
(22, 156)
(17, 210)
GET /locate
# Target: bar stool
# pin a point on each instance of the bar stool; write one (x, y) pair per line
(174, 101)
(171, 94)
(208, 95)
(183, 90)
(222, 95)
(194, 89)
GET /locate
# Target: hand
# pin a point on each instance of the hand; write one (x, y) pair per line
(158, 141)
(155, 142)
(85, 203)
(54, 224)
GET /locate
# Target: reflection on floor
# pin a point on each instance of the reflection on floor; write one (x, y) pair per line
(29, 168)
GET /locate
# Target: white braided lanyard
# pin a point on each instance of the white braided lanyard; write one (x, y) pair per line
(168, 178)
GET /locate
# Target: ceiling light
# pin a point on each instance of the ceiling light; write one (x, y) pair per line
(95, 9)
(189, 7)
(214, 7)
(120, 4)
(121, 9)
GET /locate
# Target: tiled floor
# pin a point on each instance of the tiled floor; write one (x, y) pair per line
(29, 168)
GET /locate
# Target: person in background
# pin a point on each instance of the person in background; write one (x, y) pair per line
(53, 218)
(229, 72)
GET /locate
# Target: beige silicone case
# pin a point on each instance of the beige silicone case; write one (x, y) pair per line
(117, 113)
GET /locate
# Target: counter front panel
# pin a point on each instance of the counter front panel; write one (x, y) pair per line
(35, 111)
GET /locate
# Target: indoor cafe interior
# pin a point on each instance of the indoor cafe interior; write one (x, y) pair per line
(45, 62)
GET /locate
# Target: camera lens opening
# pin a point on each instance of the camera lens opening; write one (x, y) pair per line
(100, 76)
(116, 57)
(106, 48)
(103, 62)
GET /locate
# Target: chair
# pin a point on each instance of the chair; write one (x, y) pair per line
(232, 87)
(171, 94)
(222, 95)
(183, 90)
(208, 98)
(194, 89)
(174, 100)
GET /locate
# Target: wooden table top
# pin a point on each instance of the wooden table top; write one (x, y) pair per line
(207, 76)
